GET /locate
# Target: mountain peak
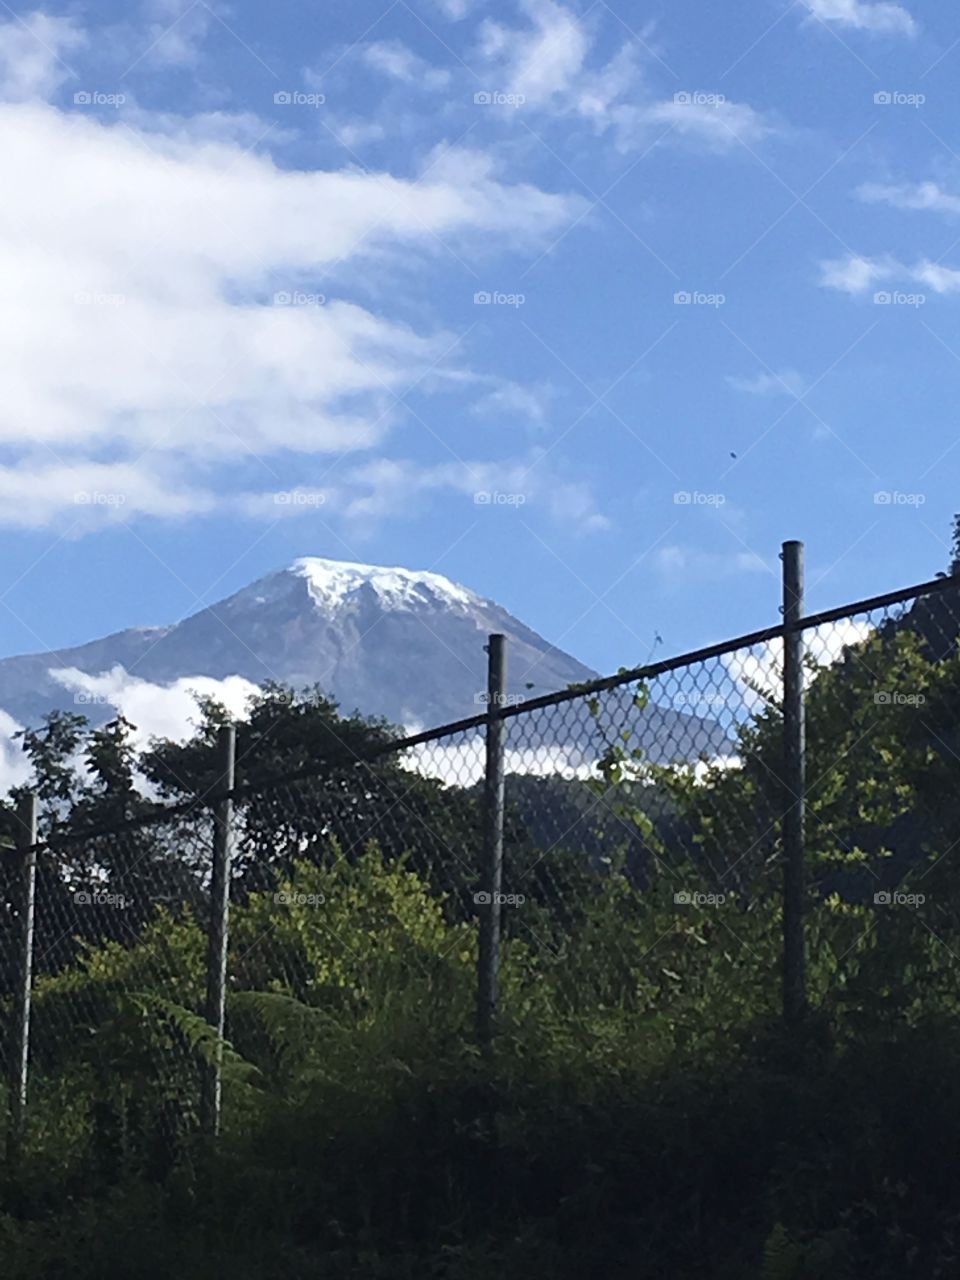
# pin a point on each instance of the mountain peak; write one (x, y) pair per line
(332, 582)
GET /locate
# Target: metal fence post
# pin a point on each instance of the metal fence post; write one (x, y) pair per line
(492, 875)
(24, 898)
(217, 937)
(794, 770)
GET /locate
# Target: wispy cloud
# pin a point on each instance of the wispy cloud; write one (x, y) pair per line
(34, 55)
(856, 275)
(174, 306)
(861, 15)
(916, 196)
(394, 59)
(549, 66)
(720, 124)
(690, 562)
(785, 383)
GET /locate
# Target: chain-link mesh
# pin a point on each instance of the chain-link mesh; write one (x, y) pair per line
(626, 840)
(119, 980)
(353, 900)
(642, 877)
(882, 755)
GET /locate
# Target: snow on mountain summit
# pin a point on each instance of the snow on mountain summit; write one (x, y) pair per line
(332, 582)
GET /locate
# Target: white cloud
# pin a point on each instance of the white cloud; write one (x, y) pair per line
(461, 763)
(911, 195)
(855, 274)
(33, 53)
(138, 273)
(759, 671)
(394, 59)
(719, 124)
(175, 32)
(546, 65)
(391, 487)
(541, 61)
(861, 15)
(785, 383)
(14, 765)
(934, 276)
(157, 710)
(511, 401)
(90, 494)
(674, 560)
(355, 132)
(455, 10)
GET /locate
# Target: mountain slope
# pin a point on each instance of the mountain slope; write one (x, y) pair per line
(409, 646)
(391, 642)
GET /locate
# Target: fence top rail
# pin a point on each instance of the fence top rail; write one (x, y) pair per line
(196, 805)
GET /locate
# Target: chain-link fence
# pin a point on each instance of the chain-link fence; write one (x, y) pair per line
(636, 865)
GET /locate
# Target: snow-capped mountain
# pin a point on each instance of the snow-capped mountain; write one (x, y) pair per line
(409, 646)
(405, 645)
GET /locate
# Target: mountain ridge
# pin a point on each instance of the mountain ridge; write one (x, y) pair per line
(404, 644)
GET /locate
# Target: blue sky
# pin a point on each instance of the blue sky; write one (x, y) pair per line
(245, 251)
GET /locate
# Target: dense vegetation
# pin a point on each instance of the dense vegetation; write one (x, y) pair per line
(644, 1112)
